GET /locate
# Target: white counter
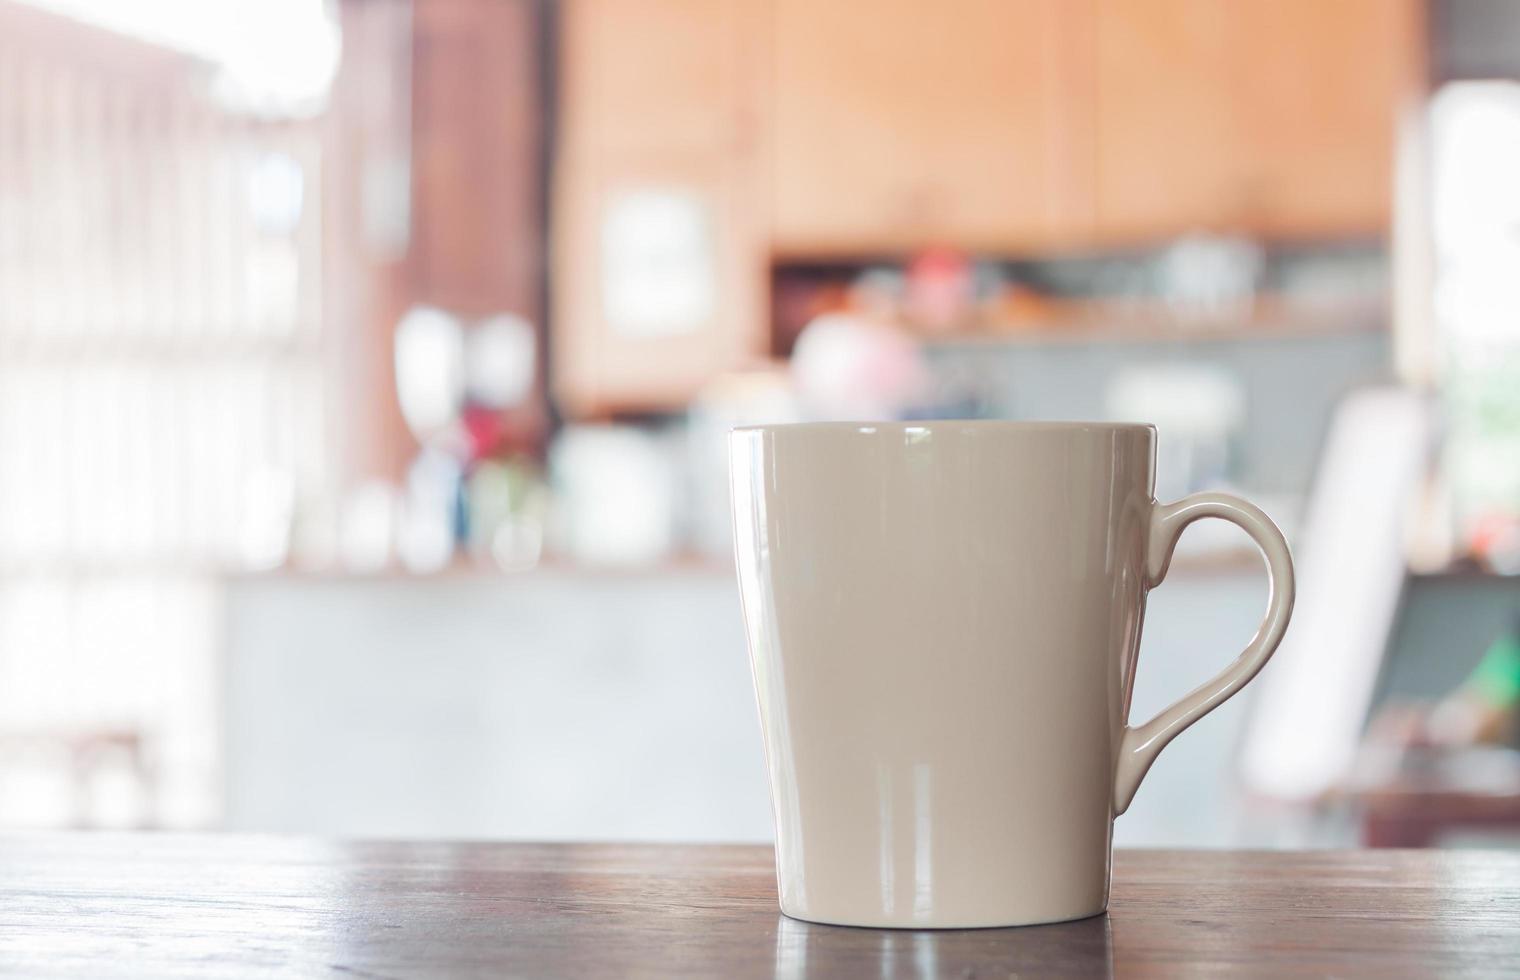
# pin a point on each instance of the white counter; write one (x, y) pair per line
(567, 705)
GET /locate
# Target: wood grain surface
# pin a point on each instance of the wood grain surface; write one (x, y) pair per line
(214, 906)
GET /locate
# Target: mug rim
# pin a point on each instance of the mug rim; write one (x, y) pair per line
(995, 425)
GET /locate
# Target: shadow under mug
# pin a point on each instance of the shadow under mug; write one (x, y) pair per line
(943, 620)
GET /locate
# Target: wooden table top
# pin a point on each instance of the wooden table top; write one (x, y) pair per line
(210, 906)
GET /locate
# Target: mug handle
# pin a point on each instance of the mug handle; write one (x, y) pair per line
(1141, 745)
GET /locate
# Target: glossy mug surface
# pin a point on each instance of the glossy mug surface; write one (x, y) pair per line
(943, 620)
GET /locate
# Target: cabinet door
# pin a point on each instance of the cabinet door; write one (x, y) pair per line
(1253, 116)
(899, 123)
(1321, 86)
(1167, 150)
(657, 212)
(659, 279)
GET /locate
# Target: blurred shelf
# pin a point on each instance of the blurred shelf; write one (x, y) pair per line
(1462, 571)
(1086, 322)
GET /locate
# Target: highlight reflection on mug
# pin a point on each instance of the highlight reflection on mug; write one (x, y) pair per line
(922, 828)
(805, 949)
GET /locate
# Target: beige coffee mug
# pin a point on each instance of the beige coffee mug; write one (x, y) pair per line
(943, 621)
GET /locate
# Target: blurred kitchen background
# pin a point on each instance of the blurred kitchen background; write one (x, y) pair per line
(365, 366)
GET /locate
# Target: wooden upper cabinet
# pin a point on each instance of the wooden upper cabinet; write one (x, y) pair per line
(697, 140)
(1257, 117)
(899, 123)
